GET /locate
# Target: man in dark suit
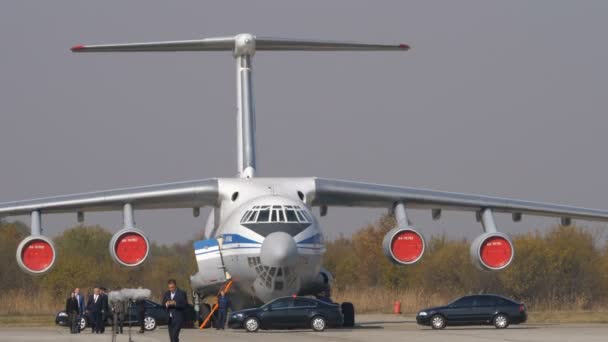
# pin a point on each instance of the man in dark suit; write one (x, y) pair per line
(71, 308)
(175, 302)
(80, 300)
(106, 310)
(94, 308)
(81, 305)
(141, 312)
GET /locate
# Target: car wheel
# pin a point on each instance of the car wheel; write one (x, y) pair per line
(501, 321)
(318, 323)
(251, 324)
(83, 323)
(438, 322)
(149, 323)
(348, 311)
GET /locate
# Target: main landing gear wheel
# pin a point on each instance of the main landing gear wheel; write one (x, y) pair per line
(348, 311)
(501, 321)
(318, 323)
(438, 322)
(251, 324)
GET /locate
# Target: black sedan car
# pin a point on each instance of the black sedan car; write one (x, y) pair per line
(154, 316)
(288, 312)
(475, 310)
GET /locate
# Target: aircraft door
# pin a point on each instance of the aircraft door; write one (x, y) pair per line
(210, 264)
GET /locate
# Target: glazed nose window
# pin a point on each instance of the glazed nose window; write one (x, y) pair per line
(276, 214)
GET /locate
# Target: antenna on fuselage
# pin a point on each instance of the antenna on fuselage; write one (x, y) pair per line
(243, 47)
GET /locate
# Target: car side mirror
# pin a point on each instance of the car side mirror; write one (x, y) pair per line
(267, 308)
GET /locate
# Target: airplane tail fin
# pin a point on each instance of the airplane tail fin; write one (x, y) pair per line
(243, 47)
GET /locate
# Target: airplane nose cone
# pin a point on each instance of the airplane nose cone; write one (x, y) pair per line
(279, 249)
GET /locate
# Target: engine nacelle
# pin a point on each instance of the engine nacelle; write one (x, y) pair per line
(492, 251)
(36, 254)
(403, 245)
(321, 282)
(129, 247)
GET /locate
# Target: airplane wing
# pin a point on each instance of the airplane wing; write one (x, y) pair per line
(330, 192)
(190, 194)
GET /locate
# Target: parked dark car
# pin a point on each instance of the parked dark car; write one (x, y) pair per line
(154, 316)
(288, 312)
(475, 310)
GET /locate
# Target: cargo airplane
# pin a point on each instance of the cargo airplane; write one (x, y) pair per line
(261, 232)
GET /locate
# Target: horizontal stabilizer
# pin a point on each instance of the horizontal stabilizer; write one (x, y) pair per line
(230, 43)
(281, 44)
(209, 44)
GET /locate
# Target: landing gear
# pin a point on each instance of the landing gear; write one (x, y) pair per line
(348, 311)
(197, 308)
(205, 310)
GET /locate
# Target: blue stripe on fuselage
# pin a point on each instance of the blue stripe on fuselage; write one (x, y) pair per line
(202, 246)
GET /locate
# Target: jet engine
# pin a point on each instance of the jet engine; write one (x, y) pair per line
(492, 251)
(403, 245)
(321, 282)
(36, 254)
(129, 247)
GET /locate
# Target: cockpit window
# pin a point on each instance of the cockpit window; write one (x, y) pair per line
(264, 214)
(291, 215)
(276, 214)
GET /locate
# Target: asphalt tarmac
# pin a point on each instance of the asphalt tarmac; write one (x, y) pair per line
(370, 328)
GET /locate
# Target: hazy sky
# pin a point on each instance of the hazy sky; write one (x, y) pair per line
(505, 98)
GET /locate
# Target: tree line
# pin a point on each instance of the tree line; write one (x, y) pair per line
(565, 267)
(83, 261)
(562, 268)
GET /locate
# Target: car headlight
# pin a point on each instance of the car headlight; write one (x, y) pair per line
(238, 315)
(62, 314)
(422, 313)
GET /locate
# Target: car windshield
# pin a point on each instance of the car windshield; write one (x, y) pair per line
(451, 303)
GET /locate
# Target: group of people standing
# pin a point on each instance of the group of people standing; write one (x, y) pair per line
(97, 307)
(75, 308)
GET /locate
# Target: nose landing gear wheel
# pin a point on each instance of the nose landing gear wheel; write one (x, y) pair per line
(205, 310)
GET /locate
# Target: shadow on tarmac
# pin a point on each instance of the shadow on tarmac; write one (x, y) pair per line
(469, 328)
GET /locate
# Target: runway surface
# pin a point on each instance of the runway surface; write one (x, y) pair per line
(370, 328)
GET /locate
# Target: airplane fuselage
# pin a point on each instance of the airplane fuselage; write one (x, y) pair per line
(270, 243)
